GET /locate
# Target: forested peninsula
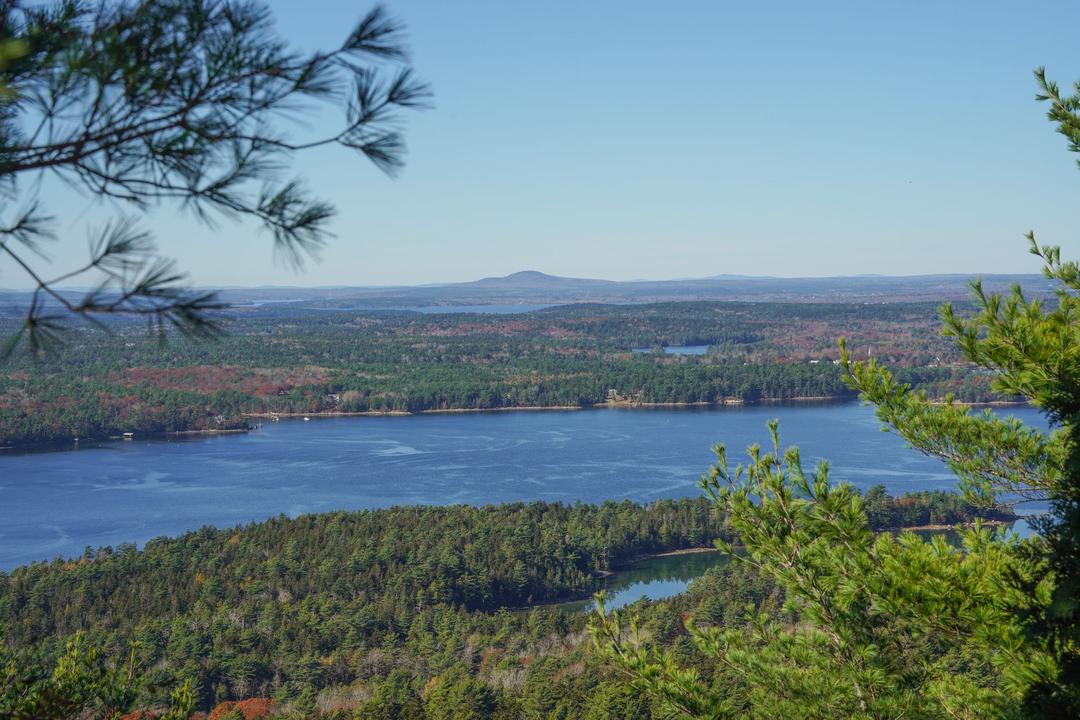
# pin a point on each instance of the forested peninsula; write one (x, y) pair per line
(283, 360)
(367, 610)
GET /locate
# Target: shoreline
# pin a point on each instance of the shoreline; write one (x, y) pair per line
(629, 564)
(75, 443)
(617, 405)
(610, 405)
(599, 575)
(69, 444)
(953, 526)
(509, 408)
(680, 551)
(211, 431)
(987, 403)
(325, 413)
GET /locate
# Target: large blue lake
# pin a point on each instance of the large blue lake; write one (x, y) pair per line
(57, 503)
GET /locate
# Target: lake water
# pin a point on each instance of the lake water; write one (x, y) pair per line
(678, 349)
(506, 309)
(655, 578)
(57, 503)
(665, 576)
(479, 309)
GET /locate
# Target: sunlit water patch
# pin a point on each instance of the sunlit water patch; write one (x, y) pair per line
(678, 349)
(655, 578)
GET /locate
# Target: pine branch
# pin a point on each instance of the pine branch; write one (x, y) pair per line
(177, 100)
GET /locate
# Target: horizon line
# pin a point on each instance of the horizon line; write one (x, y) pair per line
(708, 278)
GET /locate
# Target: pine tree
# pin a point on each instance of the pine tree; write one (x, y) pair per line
(901, 626)
(174, 101)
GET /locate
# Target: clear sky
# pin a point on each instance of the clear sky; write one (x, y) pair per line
(624, 139)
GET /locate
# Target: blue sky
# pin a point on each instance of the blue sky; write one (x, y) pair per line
(659, 140)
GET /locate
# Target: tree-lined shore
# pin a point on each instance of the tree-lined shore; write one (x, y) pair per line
(284, 362)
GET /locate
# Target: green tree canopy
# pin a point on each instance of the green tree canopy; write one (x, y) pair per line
(901, 626)
(84, 683)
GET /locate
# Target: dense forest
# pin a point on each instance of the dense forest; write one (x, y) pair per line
(394, 610)
(825, 602)
(278, 359)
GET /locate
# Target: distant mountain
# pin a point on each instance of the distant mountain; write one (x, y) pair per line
(530, 278)
(727, 276)
(531, 287)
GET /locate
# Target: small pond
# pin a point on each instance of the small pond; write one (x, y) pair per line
(678, 349)
(664, 576)
(656, 578)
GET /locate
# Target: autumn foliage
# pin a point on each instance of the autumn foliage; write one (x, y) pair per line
(252, 709)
